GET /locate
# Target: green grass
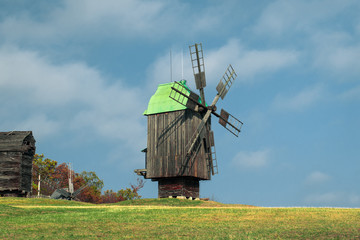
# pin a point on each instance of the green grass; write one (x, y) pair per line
(170, 219)
(13, 201)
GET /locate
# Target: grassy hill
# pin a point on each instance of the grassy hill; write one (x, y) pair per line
(170, 219)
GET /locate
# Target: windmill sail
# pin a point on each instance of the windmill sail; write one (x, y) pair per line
(194, 147)
(212, 154)
(226, 81)
(223, 87)
(197, 61)
(185, 96)
(198, 66)
(230, 122)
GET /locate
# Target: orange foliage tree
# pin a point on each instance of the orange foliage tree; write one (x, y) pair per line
(57, 176)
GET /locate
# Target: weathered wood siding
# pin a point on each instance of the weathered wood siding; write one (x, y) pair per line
(168, 136)
(17, 150)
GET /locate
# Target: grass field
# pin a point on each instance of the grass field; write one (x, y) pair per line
(170, 219)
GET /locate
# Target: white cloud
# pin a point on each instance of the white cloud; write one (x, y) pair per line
(256, 61)
(327, 39)
(124, 19)
(317, 177)
(255, 159)
(52, 98)
(300, 101)
(333, 199)
(159, 71)
(246, 62)
(40, 124)
(286, 17)
(324, 198)
(337, 53)
(351, 94)
(76, 18)
(341, 60)
(33, 76)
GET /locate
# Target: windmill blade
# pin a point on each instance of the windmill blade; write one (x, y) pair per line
(78, 191)
(226, 81)
(60, 194)
(212, 154)
(199, 130)
(230, 122)
(187, 162)
(63, 192)
(222, 88)
(195, 142)
(197, 62)
(185, 97)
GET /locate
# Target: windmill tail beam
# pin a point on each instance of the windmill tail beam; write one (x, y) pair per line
(141, 172)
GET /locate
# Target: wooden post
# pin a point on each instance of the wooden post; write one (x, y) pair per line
(39, 186)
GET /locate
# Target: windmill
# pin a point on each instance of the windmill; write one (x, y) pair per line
(181, 148)
(69, 194)
(62, 193)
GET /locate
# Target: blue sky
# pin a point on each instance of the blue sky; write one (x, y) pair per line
(79, 74)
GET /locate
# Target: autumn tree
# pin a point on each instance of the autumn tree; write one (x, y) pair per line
(136, 188)
(60, 177)
(92, 193)
(92, 179)
(131, 193)
(54, 176)
(43, 169)
(110, 196)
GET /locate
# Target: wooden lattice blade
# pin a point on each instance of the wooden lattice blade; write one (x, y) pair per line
(226, 81)
(185, 96)
(197, 61)
(195, 142)
(231, 123)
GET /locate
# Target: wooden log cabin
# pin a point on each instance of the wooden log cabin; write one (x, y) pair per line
(17, 149)
(170, 126)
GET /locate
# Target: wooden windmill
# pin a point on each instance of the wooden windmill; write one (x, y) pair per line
(180, 143)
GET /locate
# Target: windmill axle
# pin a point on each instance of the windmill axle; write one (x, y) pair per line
(212, 108)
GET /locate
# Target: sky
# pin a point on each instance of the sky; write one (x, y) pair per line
(79, 74)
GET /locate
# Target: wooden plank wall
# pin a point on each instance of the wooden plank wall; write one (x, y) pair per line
(168, 136)
(16, 156)
(10, 170)
(26, 171)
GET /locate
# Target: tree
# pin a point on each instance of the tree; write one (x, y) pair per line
(133, 192)
(136, 188)
(55, 176)
(60, 176)
(43, 170)
(89, 194)
(110, 196)
(93, 192)
(92, 179)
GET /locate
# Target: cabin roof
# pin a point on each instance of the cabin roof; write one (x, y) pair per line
(161, 102)
(13, 139)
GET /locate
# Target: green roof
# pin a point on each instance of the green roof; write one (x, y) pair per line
(161, 102)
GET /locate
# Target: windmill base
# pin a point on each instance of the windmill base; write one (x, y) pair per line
(183, 186)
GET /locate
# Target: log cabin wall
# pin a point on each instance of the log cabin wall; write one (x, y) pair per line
(17, 150)
(181, 186)
(168, 135)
